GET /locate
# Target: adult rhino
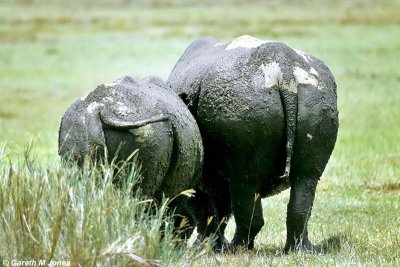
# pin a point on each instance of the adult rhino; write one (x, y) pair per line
(269, 120)
(127, 115)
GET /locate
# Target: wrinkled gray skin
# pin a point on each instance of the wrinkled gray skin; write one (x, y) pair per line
(140, 115)
(268, 118)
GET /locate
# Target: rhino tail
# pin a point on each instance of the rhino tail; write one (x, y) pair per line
(288, 94)
(111, 121)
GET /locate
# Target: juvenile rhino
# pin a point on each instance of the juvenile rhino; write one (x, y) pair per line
(129, 115)
(269, 120)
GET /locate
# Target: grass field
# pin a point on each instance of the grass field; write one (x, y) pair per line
(51, 54)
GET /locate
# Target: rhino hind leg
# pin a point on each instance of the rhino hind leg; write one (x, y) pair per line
(211, 220)
(316, 133)
(247, 210)
(302, 194)
(184, 217)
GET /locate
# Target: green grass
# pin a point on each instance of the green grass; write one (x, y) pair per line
(52, 54)
(54, 212)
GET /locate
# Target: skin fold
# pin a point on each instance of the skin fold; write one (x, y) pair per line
(268, 117)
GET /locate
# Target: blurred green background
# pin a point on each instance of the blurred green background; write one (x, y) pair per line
(52, 52)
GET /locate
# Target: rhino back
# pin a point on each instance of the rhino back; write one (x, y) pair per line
(190, 69)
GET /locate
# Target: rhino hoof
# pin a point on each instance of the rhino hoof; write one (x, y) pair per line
(303, 245)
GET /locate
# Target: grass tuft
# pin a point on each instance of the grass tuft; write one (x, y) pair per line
(61, 212)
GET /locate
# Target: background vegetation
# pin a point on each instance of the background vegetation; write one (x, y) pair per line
(52, 52)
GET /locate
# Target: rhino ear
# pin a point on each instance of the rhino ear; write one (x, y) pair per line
(122, 124)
